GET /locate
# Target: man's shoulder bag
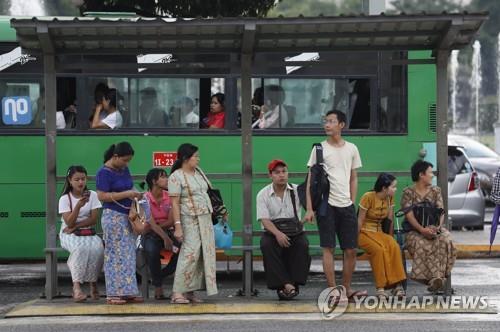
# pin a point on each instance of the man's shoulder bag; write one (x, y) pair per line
(290, 226)
(319, 184)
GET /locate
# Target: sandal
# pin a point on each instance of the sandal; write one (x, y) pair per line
(337, 300)
(115, 300)
(287, 295)
(179, 300)
(398, 292)
(381, 293)
(193, 299)
(357, 295)
(435, 284)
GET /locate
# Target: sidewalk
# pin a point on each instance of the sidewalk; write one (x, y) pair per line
(226, 302)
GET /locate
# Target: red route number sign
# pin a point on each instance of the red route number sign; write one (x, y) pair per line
(164, 159)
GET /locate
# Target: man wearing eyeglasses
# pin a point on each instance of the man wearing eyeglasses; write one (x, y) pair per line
(341, 159)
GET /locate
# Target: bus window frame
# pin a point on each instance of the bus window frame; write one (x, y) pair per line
(230, 129)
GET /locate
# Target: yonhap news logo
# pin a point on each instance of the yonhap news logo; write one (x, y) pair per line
(332, 303)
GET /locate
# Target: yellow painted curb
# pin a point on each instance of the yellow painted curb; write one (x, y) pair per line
(45, 308)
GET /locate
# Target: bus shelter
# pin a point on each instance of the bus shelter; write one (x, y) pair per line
(206, 43)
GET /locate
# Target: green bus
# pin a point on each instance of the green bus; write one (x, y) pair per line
(382, 71)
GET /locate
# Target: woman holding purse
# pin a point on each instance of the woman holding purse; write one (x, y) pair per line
(375, 208)
(192, 213)
(79, 208)
(430, 246)
(115, 189)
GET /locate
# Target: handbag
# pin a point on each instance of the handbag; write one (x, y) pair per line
(386, 223)
(218, 207)
(319, 186)
(223, 235)
(425, 212)
(85, 232)
(290, 226)
(138, 217)
(81, 231)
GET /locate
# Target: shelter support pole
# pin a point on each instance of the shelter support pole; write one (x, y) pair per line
(247, 153)
(50, 164)
(442, 136)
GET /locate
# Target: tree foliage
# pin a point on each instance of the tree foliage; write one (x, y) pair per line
(435, 6)
(182, 8)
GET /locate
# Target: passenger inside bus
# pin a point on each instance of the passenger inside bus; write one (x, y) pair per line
(99, 93)
(183, 114)
(257, 102)
(216, 116)
(150, 112)
(274, 114)
(106, 115)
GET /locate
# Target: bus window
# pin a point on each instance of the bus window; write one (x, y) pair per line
(22, 103)
(164, 103)
(119, 87)
(302, 103)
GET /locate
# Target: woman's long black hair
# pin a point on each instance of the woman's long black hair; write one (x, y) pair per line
(153, 175)
(384, 180)
(184, 152)
(69, 174)
(121, 150)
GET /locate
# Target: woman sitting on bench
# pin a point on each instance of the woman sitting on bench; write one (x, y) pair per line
(79, 208)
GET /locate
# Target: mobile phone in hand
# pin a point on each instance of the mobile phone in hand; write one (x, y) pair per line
(86, 194)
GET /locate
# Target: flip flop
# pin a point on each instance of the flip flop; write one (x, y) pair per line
(179, 300)
(334, 300)
(356, 294)
(285, 295)
(115, 301)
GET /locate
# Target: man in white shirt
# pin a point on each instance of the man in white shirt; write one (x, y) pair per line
(286, 257)
(341, 159)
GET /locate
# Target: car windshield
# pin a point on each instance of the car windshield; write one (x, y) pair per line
(477, 150)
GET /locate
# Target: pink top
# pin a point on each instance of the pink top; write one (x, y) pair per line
(159, 211)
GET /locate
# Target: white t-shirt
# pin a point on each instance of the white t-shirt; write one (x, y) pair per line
(274, 117)
(338, 164)
(85, 210)
(113, 120)
(191, 118)
(60, 121)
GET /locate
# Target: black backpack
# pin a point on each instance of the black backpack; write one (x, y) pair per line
(320, 186)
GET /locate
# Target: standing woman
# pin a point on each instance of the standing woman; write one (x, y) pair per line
(383, 251)
(431, 247)
(79, 208)
(192, 211)
(114, 189)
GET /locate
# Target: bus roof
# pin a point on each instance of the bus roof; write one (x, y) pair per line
(94, 35)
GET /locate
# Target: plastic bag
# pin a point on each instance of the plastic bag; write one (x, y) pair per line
(223, 234)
